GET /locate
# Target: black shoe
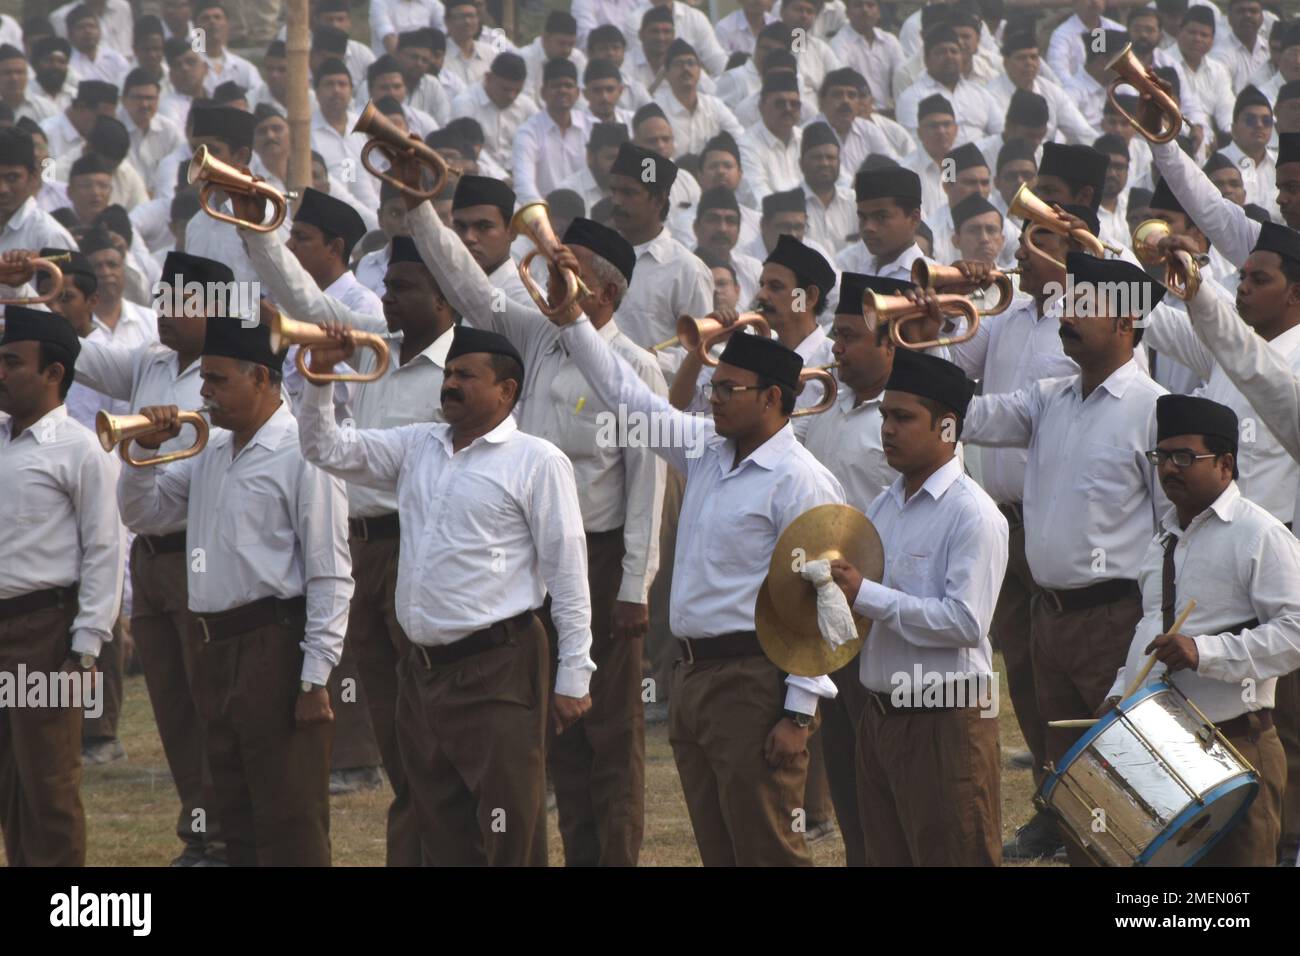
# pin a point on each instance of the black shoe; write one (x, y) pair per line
(1022, 760)
(354, 780)
(1036, 840)
(192, 856)
(102, 750)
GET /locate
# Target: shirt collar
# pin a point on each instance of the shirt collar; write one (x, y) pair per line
(812, 341)
(273, 429)
(659, 248)
(41, 436)
(913, 251)
(1117, 382)
(934, 486)
(21, 215)
(1224, 507)
(499, 435)
(1288, 341)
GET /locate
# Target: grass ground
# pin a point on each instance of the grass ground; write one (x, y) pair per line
(131, 807)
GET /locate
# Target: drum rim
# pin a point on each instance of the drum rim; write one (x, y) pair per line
(1245, 779)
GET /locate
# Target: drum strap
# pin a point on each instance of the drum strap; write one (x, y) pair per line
(1167, 596)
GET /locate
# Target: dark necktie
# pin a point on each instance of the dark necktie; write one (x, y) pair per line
(1167, 596)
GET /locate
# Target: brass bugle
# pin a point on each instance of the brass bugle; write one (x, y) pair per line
(939, 278)
(120, 430)
(830, 389)
(215, 174)
(387, 137)
(17, 273)
(700, 335)
(1025, 205)
(534, 221)
(1182, 271)
(898, 310)
(286, 331)
(1131, 71)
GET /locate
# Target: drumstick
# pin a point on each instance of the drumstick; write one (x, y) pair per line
(1151, 661)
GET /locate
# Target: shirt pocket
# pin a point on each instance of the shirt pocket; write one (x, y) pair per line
(1111, 475)
(258, 519)
(910, 572)
(740, 546)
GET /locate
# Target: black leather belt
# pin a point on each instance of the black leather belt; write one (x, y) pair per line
(494, 635)
(722, 647)
(1250, 724)
(249, 617)
(34, 601)
(1095, 595)
(372, 529)
(162, 543)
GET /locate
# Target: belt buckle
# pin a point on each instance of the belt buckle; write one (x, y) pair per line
(207, 636)
(1054, 600)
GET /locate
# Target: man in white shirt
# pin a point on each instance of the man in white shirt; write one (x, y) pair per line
(188, 73)
(60, 587)
(25, 224)
(591, 182)
(769, 151)
(927, 665)
(66, 131)
(332, 130)
(738, 31)
(976, 113)
(91, 59)
(655, 34)
(558, 41)
(276, 591)
(815, 56)
(15, 91)
(695, 117)
(1200, 73)
(603, 90)
(717, 232)
(223, 63)
(389, 19)
(113, 17)
(873, 52)
(747, 478)
(1023, 71)
(54, 83)
(689, 24)
(467, 59)
(889, 212)
(669, 281)
(846, 105)
(1090, 501)
(498, 106)
(832, 209)
(936, 133)
(497, 511)
(1244, 48)
(1069, 43)
(335, 15)
(1252, 129)
(551, 144)
(1242, 566)
(166, 635)
(1071, 175)
(153, 137)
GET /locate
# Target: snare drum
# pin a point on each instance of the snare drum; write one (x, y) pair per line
(1153, 783)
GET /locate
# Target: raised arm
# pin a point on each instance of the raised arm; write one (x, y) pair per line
(1005, 420)
(1169, 332)
(107, 368)
(1224, 222)
(367, 456)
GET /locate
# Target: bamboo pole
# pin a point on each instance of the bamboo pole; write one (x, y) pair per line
(297, 49)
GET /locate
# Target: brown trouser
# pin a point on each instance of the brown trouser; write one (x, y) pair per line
(379, 644)
(744, 812)
(839, 738)
(598, 764)
(109, 666)
(167, 640)
(1253, 841)
(928, 786)
(270, 776)
(1010, 633)
(472, 735)
(40, 748)
(354, 740)
(1076, 655)
(1286, 717)
(660, 645)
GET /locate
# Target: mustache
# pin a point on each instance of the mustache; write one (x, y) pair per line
(454, 394)
(1069, 333)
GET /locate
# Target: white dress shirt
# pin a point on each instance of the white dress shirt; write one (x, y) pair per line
(1259, 178)
(856, 258)
(372, 268)
(431, 97)
(1066, 53)
(1241, 62)
(108, 66)
(117, 25)
(1089, 506)
(876, 59)
(136, 326)
(846, 439)
(1063, 116)
(1010, 352)
(342, 155)
(63, 136)
(582, 182)
(1212, 84)
(977, 115)
(499, 126)
(933, 198)
(149, 147)
(945, 556)
(689, 24)
(835, 225)
(731, 516)
(669, 281)
(230, 67)
(544, 155)
(36, 108)
(535, 59)
(268, 523)
(1240, 564)
(693, 128)
(469, 68)
(864, 138)
(176, 107)
(498, 520)
(30, 227)
(592, 13)
(769, 165)
(401, 16)
(60, 523)
(620, 483)
(734, 33)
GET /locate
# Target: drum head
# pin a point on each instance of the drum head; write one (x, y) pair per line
(1198, 828)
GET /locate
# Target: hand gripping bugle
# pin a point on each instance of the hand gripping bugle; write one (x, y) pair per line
(534, 221)
(1182, 270)
(950, 279)
(215, 174)
(1131, 71)
(120, 430)
(897, 310)
(286, 331)
(387, 137)
(17, 273)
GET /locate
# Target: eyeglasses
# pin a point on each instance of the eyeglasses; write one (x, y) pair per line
(1253, 120)
(724, 390)
(1181, 457)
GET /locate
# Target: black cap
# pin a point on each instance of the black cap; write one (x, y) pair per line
(47, 45)
(329, 40)
(95, 93)
(970, 207)
(900, 183)
(788, 200)
(1013, 149)
(779, 81)
(76, 262)
(966, 156)
(724, 142)
(1085, 269)
(30, 325)
(509, 66)
(1193, 415)
(1288, 148)
(817, 134)
(662, 14)
(484, 191)
(607, 134)
(559, 69)
(403, 249)
(425, 38)
(930, 377)
(332, 216)
(1283, 240)
(1163, 198)
(1250, 96)
(231, 338)
(935, 103)
(109, 138)
(17, 149)
(808, 265)
(1087, 214)
(717, 197)
(679, 47)
(1027, 109)
(232, 126)
(1217, 162)
(191, 268)
(767, 357)
(657, 172)
(1078, 165)
(604, 242)
(853, 285)
(95, 240)
(467, 339)
(600, 70)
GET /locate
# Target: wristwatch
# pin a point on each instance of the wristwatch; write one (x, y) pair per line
(307, 686)
(83, 660)
(802, 721)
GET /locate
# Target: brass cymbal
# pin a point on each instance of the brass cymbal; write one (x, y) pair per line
(786, 612)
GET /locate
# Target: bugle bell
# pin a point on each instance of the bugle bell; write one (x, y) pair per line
(1131, 71)
(120, 430)
(950, 279)
(17, 273)
(215, 174)
(830, 389)
(1025, 205)
(1182, 270)
(387, 137)
(534, 221)
(898, 310)
(700, 335)
(286, 331)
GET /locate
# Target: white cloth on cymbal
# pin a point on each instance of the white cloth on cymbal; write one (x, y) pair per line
(834, 616)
